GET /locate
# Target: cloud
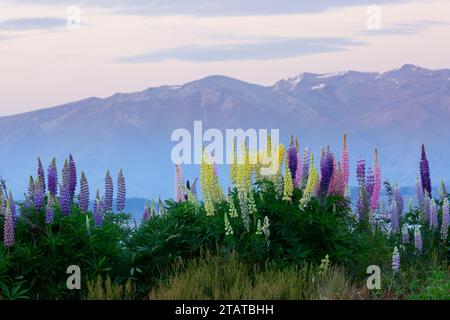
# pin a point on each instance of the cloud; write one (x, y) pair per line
(262, 50)
(217, 7)
(32, 23)
(406, 28)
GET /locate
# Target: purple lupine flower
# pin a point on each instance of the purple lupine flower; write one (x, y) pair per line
(361, 173)
(433, 215)
(370, 182)
(396, 260)
(395, 224)
(425, 172)
(31, 188)
(83, 198)
(98, 212)
(72, 177)
(306, 160)
(146, 213)
(345, 162)
(292, 157)
(64, 192)
(326, 171)
(39, 193)
(405, 234)
(8, 228)
(375, 197)
(360, 207)
(417, 240)
(398, 199)
(41, 173)
(419, 193)
(445, 220)
(298, 174)
(179, 184)
(121, 192)
(108, 200)
(52, 178)
(12, 204)
(49, 210)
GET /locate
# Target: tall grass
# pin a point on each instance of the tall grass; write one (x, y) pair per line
(218, 278)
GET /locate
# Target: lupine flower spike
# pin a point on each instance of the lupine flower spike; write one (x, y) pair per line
(108, 200)
(375, 197)
(345, 161)
(49, 211)
(72, 177)
(121, 191)
(8, 227)
(179, 184)
(396, 260)
(425, 172)
(84, 193)
(445, 220)
(418, 240)
(41, 173)
(52, 178)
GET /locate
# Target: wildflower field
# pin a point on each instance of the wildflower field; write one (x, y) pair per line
(293, 234)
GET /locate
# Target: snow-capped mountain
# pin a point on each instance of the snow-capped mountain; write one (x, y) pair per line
(395, 110)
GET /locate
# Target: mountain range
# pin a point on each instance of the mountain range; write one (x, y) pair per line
(397, 110)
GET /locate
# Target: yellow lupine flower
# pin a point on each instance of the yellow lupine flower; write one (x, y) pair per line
(288, 185)
(311, 184)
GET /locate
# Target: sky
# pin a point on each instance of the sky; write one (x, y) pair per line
(57, 51)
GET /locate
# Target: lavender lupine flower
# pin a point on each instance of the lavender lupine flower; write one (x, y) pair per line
(98, 212)
(360, 207)
(72, 177)
(179, 184)
(396, 260)
(425, 172)
(306, 160)
(426, 207)
(49, 210)
(8, 227)
(375, 198)
(345, 161)
(395, 224)
(31, 188)
(361, 173)
(298, 174)
(64, 192)
(83, 198)
(405, 234)
(146, 213)
(292, 157)
(433, 215)
(39, 193)
(52, 178)
(108, 192)
(445, 220)
(326, 171)
(41, 172)
(12, 204)
(370, 182)
(121, 192)
(417, 240)
(398, 199)
(419, 193)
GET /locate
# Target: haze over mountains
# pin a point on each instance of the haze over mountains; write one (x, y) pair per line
(396, 110)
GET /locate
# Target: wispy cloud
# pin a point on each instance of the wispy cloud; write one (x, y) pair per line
(406, 28)
(218, 7)
(263, 50)
(32, 23)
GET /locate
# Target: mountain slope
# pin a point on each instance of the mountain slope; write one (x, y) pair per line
(396, 110)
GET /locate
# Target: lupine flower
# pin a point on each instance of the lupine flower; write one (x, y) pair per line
(425, 172)
(49, 211)
(228, 228)
(360, 207)
(337, 181)
(31, 188)
(8, 227)
(417, 240)
(39, 193)
(361, 173)
(12, 204)
(72, 177)
(52, 178)
(445, 220)
(292, 159)
(370, 182)
(108, 200)
(84, 193)
(396, 260)
(313, 181)
(179, 184)
(395, 224)
(121, 191)
(326, 171)
(288, 188)
(419, 193)
(98, 212)
(397, 197)
(305, 170)
(375, 198)
(363, 201)
(146, 213)
(41, 172)
(345, 161)
(65, 199)
(405, 234)
(433, 215)
(298, 173)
